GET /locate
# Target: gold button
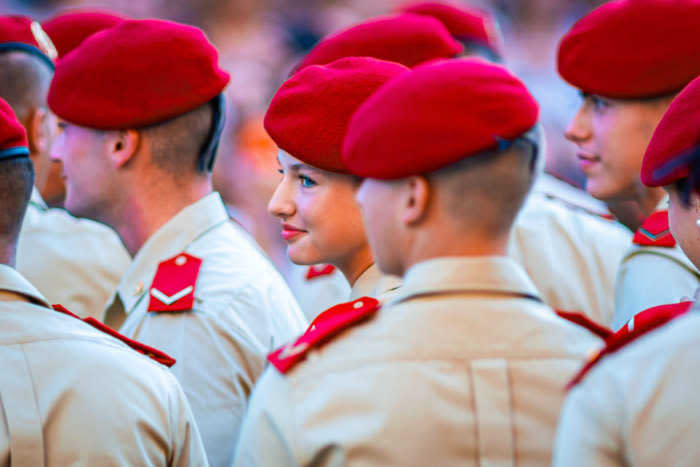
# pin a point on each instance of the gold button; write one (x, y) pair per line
(358, 305)
(181, 260)
(139, 288)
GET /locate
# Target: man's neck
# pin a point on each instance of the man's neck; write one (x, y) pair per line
(143, 212)
(633, 212)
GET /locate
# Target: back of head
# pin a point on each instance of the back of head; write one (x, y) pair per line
(406, 39)
(463, 124)
(16, 180)
(26, 64)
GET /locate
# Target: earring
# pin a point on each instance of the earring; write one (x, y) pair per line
(697, 222)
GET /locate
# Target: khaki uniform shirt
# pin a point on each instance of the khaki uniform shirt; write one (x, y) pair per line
(639, 406)
(372, 283)
(650, 276)
(319, 293)
(242, 310)
(71, 395)
(74, 262)
(572, 256)
(463, 366)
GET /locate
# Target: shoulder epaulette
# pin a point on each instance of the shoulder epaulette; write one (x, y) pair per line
(584, 321)
(154, 354)
(645, 321)
(324, 327)
(319, 271)
(655, 232)
(174, 283)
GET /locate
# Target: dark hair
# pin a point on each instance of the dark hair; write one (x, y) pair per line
(16, 182)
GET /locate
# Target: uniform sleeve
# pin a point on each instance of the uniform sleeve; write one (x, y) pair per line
(217, 366)
(589, 433)
(187, 447)
(266, 437)
(646, 280)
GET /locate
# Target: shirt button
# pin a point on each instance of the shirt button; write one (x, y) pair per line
(181, 260)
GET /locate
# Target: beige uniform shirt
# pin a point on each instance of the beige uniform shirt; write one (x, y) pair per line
(463, 366)
(639, 406)
(572, 256)
(71, 395)
(650, 276)
(319, 293)
(74, 262)
(373, 283)
(242, 310)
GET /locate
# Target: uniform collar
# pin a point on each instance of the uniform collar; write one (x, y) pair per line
(172, 238)
(663, 204)
(13, 281)
(37, 200)
(372, 283)
(479, 274)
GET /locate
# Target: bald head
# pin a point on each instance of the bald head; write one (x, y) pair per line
(24, 82)
(484, 193)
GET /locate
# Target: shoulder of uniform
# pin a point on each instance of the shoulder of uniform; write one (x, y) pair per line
(326, 325)
(580, 207)
(655, 231)
(584, 321)
(643, 323)
(174, 284)
(319, 271)
(151, 352)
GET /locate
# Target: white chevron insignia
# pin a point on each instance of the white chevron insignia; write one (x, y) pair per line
(169, 300)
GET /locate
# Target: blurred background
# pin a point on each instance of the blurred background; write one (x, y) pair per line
(260, 40)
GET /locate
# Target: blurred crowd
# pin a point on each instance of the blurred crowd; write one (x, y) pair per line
(260, 41)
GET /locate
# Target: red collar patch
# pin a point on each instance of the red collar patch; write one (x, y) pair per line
(324, 327)
(655, 232)
(584, 321)
(644, 322)
(318, 271)
(174, 283)
(153, 353)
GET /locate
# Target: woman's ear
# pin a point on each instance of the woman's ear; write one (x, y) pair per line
(122, 145)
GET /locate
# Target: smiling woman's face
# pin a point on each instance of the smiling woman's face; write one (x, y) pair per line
(321, 221)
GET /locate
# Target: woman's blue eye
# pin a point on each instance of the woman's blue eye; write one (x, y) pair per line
(599, 104)
(306, 182)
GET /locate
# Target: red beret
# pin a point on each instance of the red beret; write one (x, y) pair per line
(437, 115)
(24, 34)
(677, 134)
(464, 23)
(68, 30)
(13, 138)
(309, 114)
(407, 39)
(136, 74)
(633, 49)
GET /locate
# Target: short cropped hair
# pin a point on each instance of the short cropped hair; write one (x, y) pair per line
(487, 191)
(16, 182)
(175, 144)
(24, 82)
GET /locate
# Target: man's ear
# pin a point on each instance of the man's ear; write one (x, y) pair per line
(415, 200)
(122, 145)
(37, 131)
